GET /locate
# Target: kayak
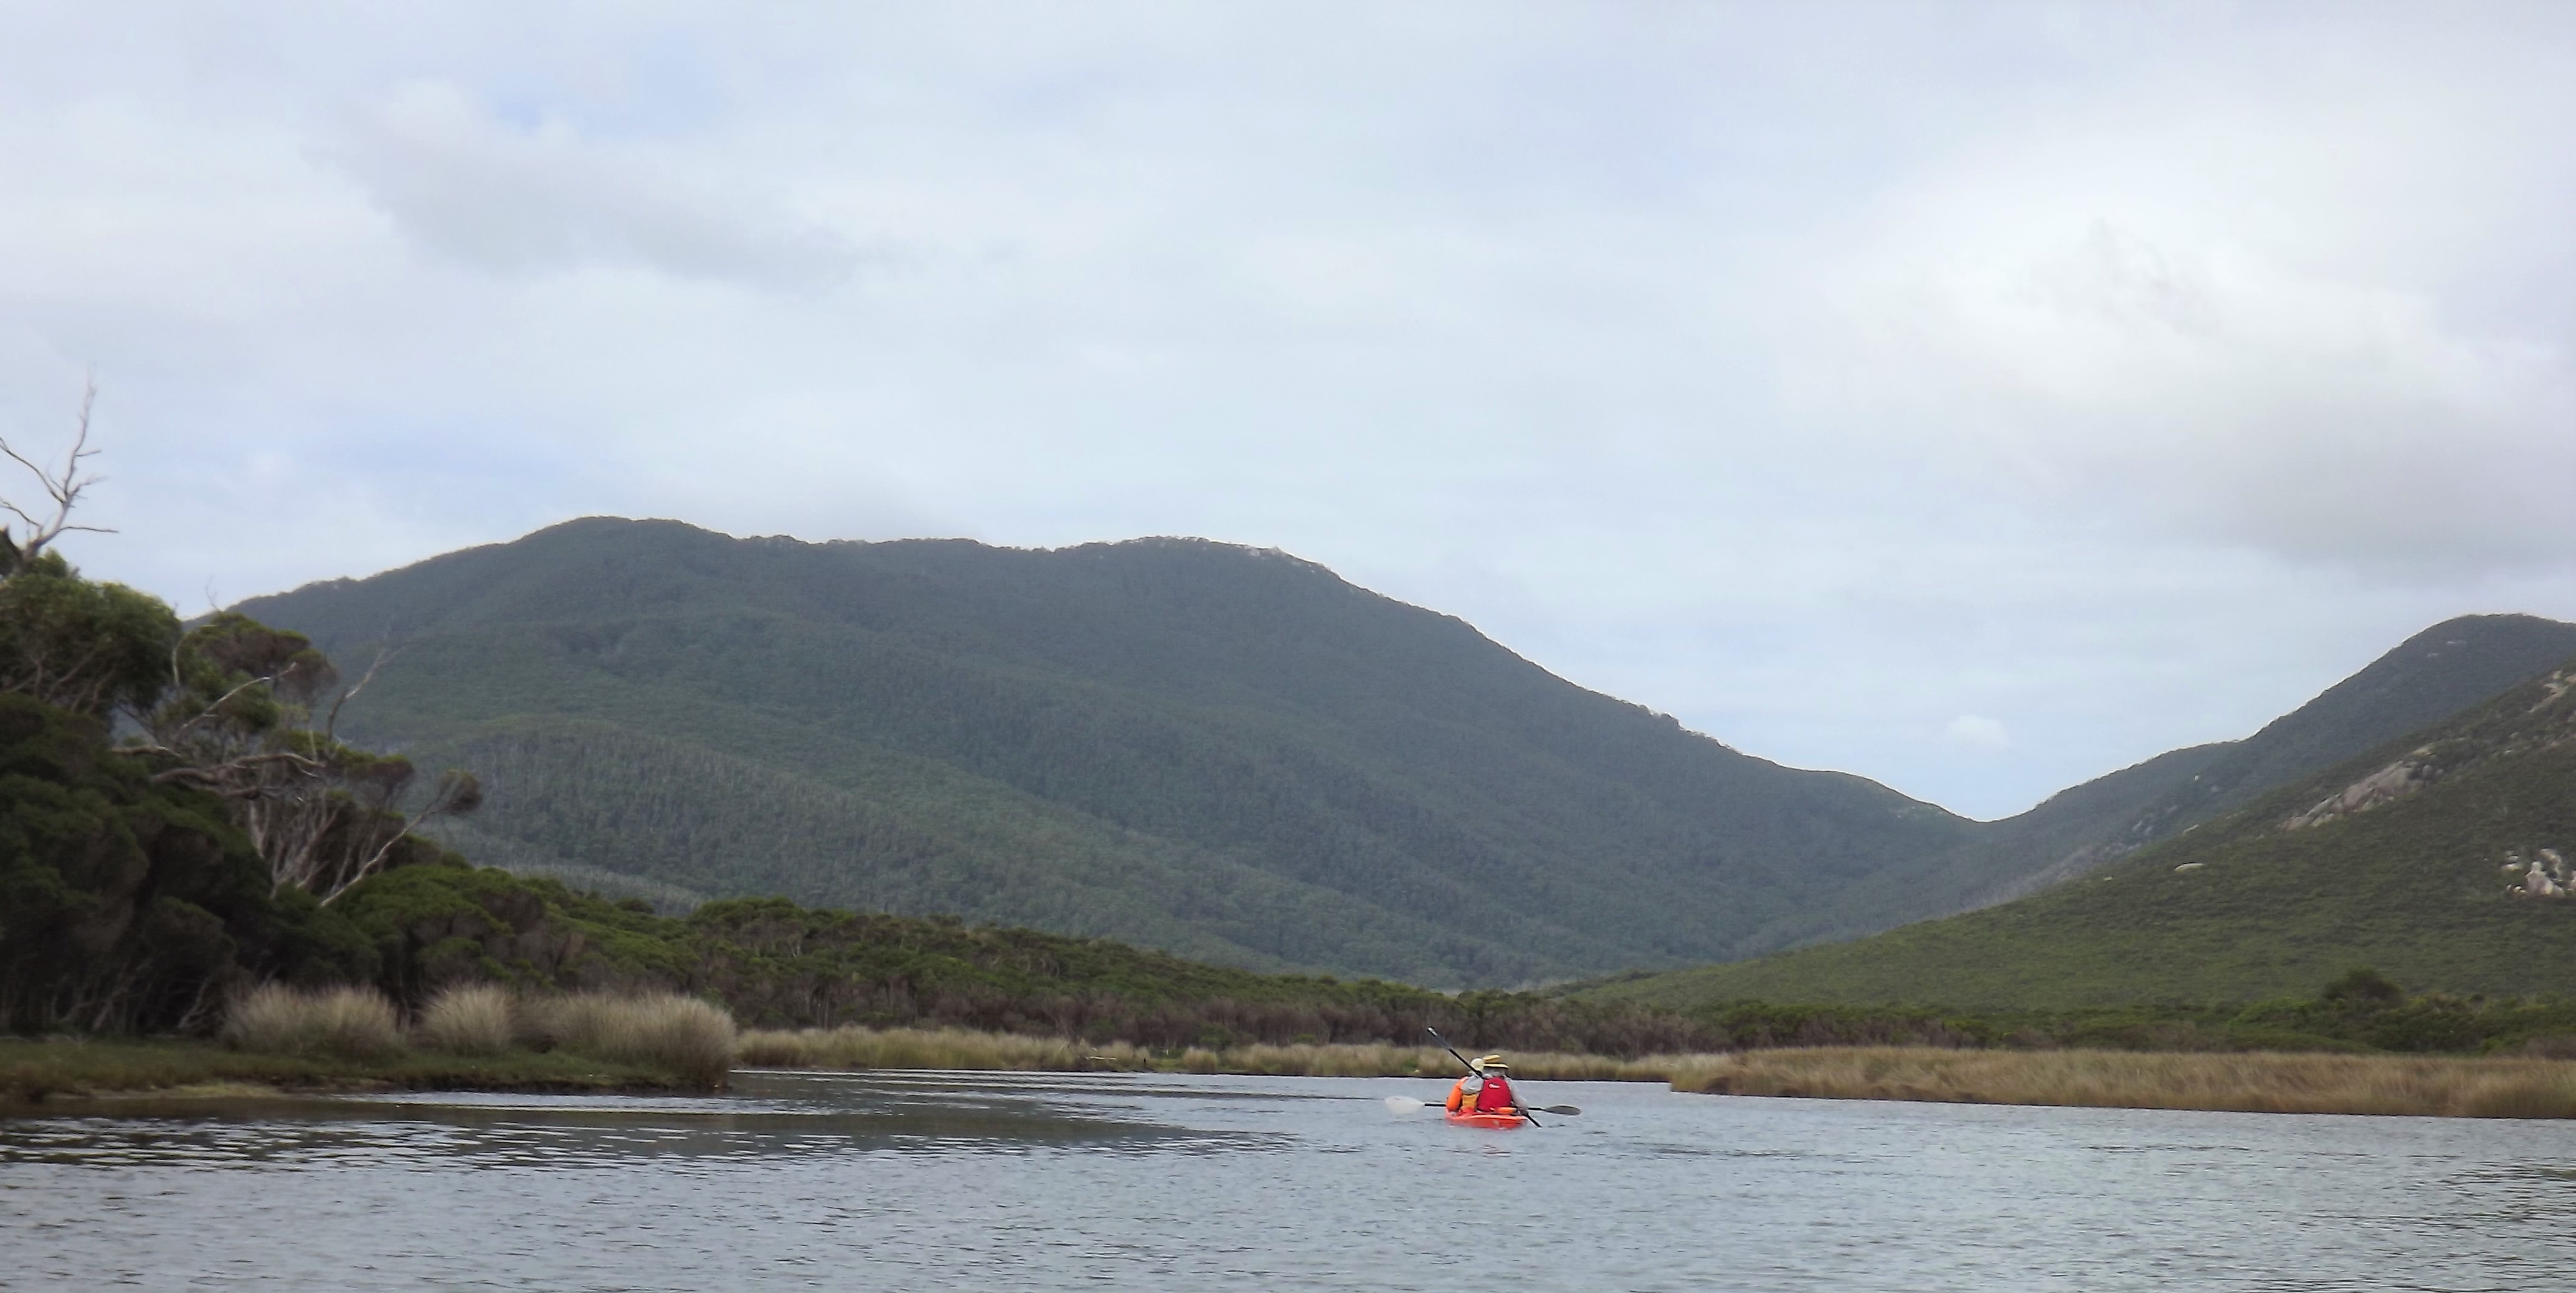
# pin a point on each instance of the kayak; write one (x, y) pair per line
(1494, 1121)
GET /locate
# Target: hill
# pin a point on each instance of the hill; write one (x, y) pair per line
(2439, 859)
(1221, 752)
(1218, 751)
(2429, 677)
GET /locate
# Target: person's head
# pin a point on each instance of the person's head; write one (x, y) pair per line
(1492, 1064)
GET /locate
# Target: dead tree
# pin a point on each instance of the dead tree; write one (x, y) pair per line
(62, 490)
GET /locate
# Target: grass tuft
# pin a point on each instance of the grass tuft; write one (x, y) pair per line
(468, 1019)
(688, 1036)
(341, 1023)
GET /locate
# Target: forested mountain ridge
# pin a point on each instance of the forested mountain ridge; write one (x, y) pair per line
(1224, 752)
(1216, 750)
(2431, 676)
(2442, 859)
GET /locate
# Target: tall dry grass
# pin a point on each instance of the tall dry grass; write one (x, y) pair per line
(2248, 1082)
(950, 1048)
(341, 1023)
(693, 1038)
(468, 1019)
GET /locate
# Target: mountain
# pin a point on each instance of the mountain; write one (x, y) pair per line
(2429, 677)
(2441, 860)
(1223, 752)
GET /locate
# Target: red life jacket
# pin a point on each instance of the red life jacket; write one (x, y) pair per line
(1497, 1095)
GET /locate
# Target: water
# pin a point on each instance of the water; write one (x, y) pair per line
(941, 1181)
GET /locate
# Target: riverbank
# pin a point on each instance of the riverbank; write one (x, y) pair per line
(2250, 1082)
(53, 1069)
(945, 1048)
(2418, 1085)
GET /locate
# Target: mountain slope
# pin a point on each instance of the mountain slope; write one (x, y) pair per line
(2416, 859)
(1220, 751)
(2429, 677)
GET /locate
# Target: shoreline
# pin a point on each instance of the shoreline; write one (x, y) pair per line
(2401, 1085)
(51, 1073)
(54, 1074)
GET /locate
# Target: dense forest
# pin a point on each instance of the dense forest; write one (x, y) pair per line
(1222, 752)
(180, 822)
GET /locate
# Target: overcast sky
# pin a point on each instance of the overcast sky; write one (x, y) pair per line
(1977, 398)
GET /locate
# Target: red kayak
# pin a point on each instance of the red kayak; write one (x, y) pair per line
(1496, 1121)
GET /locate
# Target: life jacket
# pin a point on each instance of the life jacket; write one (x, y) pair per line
(1462, 1097)
(1496, 1097)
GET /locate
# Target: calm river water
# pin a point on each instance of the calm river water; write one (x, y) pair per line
(938, 1181)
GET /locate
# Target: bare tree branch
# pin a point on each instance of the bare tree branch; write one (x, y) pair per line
(63, 488)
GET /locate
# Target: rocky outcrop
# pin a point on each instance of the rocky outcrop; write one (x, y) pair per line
(2545, 875)
(2391, 783)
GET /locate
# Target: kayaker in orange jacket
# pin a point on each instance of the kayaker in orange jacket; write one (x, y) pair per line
(1486, 1089)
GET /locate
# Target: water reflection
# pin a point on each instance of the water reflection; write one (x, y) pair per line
(796, 1181)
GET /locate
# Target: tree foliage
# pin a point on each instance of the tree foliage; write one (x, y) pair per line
(241, 722)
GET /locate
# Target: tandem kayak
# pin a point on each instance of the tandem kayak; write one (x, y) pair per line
(1496, 1121)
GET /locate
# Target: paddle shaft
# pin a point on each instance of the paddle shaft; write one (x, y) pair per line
(1471, 1068)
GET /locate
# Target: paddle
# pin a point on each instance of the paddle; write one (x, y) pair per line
(1471, 1068)
(1407, 1104)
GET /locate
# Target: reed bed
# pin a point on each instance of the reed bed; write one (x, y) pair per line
(340, 1023)
(2246, 1082)
(688, 1038)
(686, 1035)
(853, 1047)
(469, 1019)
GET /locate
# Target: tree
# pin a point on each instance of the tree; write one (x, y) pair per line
(62, 489)
(241, 722)
(93, 648)
(227, 707)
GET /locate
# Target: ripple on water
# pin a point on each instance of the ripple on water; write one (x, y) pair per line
(798, 1181)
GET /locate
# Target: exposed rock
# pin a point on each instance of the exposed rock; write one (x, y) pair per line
(2396, 781)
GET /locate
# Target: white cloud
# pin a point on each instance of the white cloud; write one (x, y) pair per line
(1978, 731)
(2119, 376)
(465, 185)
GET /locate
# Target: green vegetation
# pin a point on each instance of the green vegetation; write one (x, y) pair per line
(1223, 753)
(2414, 858)
(33, 1069)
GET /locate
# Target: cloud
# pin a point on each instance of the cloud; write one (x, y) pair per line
(515, 200)
(2118, 375)
(1978, 731)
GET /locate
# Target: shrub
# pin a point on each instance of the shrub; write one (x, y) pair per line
(344, 1023)
(470, 1019)
(685, 1035)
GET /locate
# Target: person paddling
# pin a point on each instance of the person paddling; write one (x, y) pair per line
(1487, 1088)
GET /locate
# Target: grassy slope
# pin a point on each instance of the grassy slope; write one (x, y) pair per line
(2431, 676)
(2412, 887)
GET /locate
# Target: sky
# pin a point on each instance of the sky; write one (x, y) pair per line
(1978, 398)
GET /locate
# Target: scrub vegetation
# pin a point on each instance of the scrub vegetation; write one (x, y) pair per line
(2417, 858)
(2251, 1083)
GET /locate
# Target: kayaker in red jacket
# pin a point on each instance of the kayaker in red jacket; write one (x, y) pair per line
(1488, 1089)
